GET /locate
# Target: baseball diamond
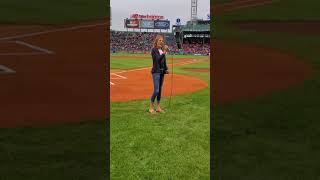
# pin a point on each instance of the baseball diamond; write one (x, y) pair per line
(54, 85)
(141, 135)
(53, 106)
(41, 49)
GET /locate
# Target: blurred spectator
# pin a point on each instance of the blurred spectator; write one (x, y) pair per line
(142, 42)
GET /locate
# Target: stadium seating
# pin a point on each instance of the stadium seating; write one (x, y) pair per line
(142, 42)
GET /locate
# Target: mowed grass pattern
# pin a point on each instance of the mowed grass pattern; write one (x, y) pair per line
(275, 136)
(66, 151)
(123, 63)
(52, 12)
(174, 145)
(118, 61)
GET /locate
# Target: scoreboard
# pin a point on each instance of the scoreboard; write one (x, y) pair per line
(148, 22)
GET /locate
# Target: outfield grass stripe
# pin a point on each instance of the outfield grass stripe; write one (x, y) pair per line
(177, 64)
(275, 133)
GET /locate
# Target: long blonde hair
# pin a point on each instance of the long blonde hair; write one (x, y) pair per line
(155, 42)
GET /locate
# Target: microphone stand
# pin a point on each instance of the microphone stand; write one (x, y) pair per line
(171, 86)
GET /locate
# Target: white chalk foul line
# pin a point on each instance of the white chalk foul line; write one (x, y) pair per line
(187, 62)
(184, 63)
(51, 31)
(116, 78)
(21, 54)
(122, 77)
(42, 50)
(37, 48)
(250, 5)
(33, 47)
(5, 69)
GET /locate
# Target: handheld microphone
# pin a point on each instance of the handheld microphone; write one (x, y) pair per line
(166, 48)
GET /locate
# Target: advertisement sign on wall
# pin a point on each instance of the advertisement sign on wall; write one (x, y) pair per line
(140, 16)
(162, 24)
(147, 24)
(131, 23)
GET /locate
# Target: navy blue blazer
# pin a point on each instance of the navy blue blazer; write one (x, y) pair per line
(159, 62)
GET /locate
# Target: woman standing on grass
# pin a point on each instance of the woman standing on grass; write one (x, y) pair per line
(159, 68)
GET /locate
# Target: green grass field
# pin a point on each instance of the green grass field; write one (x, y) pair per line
(65, 151)
(174, 145)
(131, 63)
(52, 12)
(275, 136)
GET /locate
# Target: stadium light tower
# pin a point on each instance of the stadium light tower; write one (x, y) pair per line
(194, 7)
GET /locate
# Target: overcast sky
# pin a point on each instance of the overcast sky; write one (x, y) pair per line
(170, 9)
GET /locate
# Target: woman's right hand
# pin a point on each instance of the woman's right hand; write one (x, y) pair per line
(164, 52)
(166, 48)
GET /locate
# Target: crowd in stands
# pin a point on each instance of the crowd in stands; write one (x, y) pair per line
(136, 41)
(196, 48)
(143, 42)
(127, 41)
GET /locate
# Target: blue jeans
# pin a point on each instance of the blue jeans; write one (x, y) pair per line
(157, 86)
